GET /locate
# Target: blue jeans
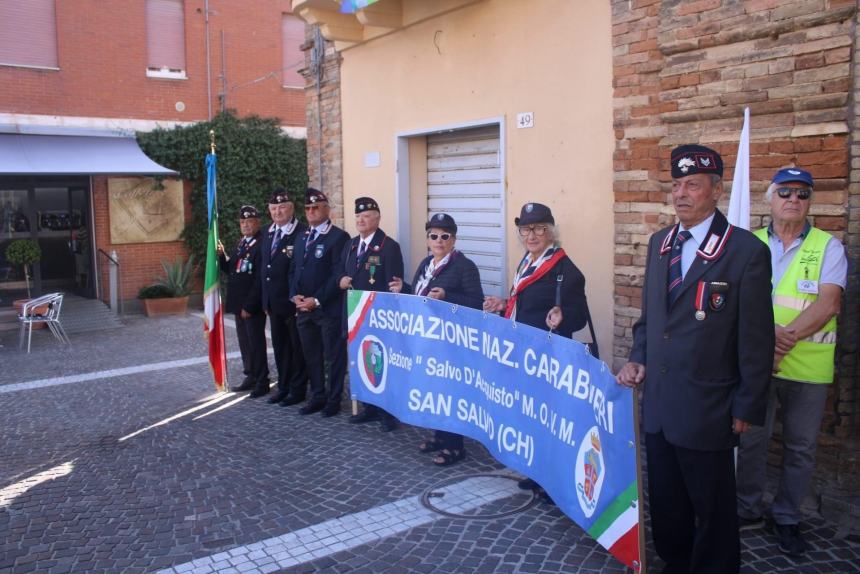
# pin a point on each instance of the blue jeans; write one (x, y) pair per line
(802, 409)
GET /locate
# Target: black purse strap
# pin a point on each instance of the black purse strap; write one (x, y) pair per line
(592, 346)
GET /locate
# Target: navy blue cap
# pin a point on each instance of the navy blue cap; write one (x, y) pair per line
(314, 196)
(691, 159)
(248, 212)
(279, 196)
(363, 204)
(793, 174)
(442, 221)
(534, 213)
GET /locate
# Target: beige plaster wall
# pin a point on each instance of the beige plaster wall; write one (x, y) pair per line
(498, 58)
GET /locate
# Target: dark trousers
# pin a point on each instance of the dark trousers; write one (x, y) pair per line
(692, 500)
(324, 346)
(251, 333)
(384, 415)
(292, 376)
(451, 441)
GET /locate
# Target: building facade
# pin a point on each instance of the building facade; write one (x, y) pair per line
(79, 78)
(475, 107)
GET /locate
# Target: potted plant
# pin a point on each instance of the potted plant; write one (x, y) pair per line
(169, 294)
(24, 252)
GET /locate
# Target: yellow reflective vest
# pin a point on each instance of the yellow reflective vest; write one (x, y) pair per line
(811, 360)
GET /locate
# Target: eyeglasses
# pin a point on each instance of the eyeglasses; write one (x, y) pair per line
(538, 230)
(785, 192)
(435, 236)
(312, 207)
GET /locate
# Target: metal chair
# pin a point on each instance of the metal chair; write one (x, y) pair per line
(51, 317)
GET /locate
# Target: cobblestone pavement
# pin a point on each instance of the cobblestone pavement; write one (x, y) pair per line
(151, 470)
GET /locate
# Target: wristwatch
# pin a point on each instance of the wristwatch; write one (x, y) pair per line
(317, 302)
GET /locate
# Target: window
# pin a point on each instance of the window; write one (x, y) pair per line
(28, 33)
(165, 39)
(293, 36)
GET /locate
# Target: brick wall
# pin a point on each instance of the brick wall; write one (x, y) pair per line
(325, 167)
(140, 263)
(683, 72)
(102, 60)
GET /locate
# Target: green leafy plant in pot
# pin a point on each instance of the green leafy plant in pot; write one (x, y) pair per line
(169, 294)
(24, 252)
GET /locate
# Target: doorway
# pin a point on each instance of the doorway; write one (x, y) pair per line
(55, 213)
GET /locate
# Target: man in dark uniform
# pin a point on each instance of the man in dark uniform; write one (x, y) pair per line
(243, 300)
(315, 291)
(371, 261)
(277, 251)
(706, 338)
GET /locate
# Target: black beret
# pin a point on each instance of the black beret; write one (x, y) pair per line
(279, 196)
(442, 221)
(363, 204)
(534, 213)
(691, 159)
(248, 212)
(314, 196)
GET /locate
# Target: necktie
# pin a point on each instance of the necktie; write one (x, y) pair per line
(312, 236)
(675, 276)
(362, 247)
(276, 241)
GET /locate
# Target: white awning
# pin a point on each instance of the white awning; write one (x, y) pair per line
(24, 154)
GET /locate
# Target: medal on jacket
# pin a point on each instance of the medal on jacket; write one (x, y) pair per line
(372, 262)
(701, 298)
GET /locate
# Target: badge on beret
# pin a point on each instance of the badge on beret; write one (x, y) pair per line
(685, 163)
(440, 216)
(529, 208)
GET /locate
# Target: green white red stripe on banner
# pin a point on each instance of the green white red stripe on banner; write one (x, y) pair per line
(617, 529)
(357, 305)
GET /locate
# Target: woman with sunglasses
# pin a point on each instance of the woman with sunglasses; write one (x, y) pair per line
(548, 291)
(446, 275)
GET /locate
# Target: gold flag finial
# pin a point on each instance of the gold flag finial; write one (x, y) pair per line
(212, 140)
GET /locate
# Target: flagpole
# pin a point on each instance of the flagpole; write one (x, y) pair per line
(643, 569)
(214, 319)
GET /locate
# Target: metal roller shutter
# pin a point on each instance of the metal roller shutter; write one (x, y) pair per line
(464, 180)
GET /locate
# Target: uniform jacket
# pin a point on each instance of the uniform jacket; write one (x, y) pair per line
(317, 269)
(535, 301)
(701, 373)
(460, 280)
(383, 256)
(243, 282)
(275, 270)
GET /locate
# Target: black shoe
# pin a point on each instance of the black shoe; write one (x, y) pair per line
(790, 540)
(277, 397)
(749, 523)
(364, 417)
(260, 391)
(291, 400)
(246, 385)
(528, 484)
(330, 411)
(389, 424)
(311, 408)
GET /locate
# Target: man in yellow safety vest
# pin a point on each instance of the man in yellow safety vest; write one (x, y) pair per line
(809, 275)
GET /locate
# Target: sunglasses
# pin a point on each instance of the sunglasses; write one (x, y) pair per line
(312, 207)
(785, 192)
(435, 236)
(539, 230)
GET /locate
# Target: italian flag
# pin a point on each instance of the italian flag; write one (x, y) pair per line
(357, 305)
(213, 321)
(617, 528)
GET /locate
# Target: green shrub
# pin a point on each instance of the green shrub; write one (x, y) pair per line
(23, 252)
(177, 276)
(154, 292)
(254, 158)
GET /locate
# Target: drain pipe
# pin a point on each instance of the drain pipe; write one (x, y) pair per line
(317, 62)
(208, 63)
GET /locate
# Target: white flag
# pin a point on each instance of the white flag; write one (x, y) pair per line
(739, 202)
